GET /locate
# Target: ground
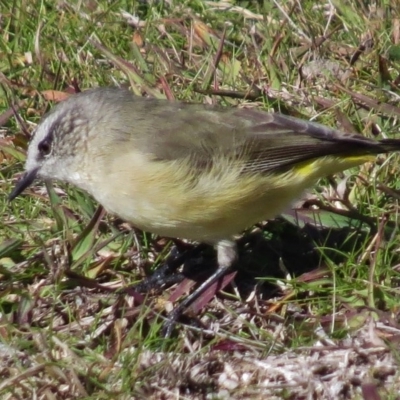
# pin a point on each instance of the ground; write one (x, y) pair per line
(313, 312)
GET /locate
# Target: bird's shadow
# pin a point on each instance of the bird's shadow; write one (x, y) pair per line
(278, 250)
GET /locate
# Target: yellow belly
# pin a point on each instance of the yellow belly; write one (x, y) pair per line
(165, 198)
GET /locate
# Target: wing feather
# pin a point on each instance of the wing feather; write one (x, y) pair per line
(263, 142)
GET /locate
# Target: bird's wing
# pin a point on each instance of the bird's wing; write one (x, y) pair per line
(263, 141)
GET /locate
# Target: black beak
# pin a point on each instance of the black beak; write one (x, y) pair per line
(23, 183)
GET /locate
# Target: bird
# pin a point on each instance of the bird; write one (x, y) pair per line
(185, 170)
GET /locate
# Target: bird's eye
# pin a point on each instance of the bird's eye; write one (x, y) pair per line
(44, 147)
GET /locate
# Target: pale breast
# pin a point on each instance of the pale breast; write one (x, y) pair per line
(175, 199)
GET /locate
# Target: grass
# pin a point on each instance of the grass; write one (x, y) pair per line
(316, 290)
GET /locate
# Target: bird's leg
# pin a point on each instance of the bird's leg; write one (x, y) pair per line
(164, 275)
(227, 256)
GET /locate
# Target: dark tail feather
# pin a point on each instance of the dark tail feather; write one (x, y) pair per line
(388, 145)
